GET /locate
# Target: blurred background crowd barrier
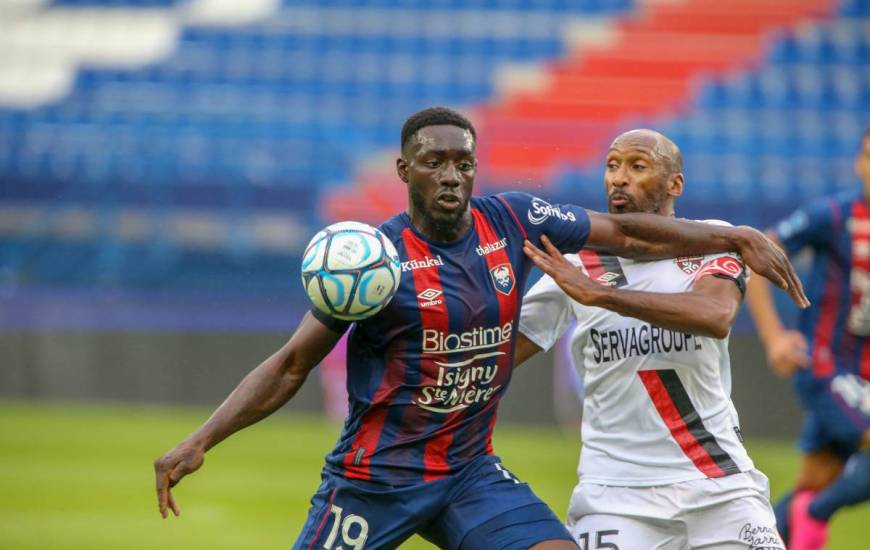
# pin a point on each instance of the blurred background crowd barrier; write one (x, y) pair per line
(163, 162)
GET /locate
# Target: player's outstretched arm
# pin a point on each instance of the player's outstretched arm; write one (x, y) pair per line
(259, 394)
(786, 349)
(708, 309)
(650, 237)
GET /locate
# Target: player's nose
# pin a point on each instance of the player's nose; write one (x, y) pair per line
(450, 176)
(619, 178)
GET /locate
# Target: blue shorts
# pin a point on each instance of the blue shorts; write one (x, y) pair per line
(837, 412)
(482, 506)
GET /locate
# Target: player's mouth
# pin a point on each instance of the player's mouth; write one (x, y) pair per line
(448, 201)
(619, 200)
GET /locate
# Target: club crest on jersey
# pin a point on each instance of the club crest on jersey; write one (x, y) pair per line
(689, 264)
(503, 278)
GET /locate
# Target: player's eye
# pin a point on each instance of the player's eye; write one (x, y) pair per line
(465, 166)
(638, 166)
(612, 165)
(432, 163)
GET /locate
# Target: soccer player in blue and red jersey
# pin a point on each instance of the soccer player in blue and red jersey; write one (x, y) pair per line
(828, 358)
(426, 374)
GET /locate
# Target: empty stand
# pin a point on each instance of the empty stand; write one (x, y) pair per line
(199, 149)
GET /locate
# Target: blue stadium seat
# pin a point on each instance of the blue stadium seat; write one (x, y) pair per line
(113, 3)
(266, 116)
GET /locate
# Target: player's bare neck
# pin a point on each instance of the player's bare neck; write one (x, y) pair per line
(664, 210)
(441, 231)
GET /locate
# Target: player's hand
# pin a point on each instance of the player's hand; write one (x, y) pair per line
(568, 276)
(787, 353)
(168, 471)
(766, 258)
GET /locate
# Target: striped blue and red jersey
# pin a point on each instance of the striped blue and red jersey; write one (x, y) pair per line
(426, 374)
(837, 326)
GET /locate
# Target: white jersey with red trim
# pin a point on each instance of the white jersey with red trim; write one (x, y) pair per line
(657, 407)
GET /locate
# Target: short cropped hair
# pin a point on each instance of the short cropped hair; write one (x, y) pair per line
(434, 116)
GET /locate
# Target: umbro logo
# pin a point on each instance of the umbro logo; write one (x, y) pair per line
(429, 294)
(429, 297)
(607, 278)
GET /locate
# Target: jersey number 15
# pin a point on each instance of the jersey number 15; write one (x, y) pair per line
(600, 543)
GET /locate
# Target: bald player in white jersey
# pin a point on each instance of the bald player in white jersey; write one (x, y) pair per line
(662, 465)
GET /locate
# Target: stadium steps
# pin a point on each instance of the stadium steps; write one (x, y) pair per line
(649, 68)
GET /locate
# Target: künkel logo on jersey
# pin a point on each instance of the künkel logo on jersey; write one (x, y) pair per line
(503, 278)
(425, 263)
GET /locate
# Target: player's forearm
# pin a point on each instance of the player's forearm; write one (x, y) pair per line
(687, 312)
(763, 310)
(263, 391)
(650, 237)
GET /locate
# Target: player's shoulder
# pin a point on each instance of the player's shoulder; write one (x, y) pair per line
(393, 227)
(822, 214)
(512, 199)
(835, 204)
(847, 197)
(532, 208)
(506, 207)
(501, 201)
(842, 203)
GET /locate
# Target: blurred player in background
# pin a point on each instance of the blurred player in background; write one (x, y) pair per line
(828, 358)
(663, 464)
(425, 375)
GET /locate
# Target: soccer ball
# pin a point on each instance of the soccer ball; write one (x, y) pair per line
(350, 270)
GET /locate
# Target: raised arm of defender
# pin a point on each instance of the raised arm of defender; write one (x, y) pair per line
(651, 237)
(263, 391)
(708, 309)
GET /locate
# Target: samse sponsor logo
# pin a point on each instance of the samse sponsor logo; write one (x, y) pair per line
(540, 210)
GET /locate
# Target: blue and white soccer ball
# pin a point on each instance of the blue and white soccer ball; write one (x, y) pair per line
(350, 270)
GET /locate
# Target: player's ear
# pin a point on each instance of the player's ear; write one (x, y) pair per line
(675, 185)
(402, 169)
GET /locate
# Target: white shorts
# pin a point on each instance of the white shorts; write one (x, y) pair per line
(726, 513)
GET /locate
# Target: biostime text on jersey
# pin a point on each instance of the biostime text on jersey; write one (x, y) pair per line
(462, 383)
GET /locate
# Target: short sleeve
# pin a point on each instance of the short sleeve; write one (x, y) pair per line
(566, 225)
(546, 313)
(333, 324)
(810, 226)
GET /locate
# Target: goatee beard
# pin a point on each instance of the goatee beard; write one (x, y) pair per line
(442, 229)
